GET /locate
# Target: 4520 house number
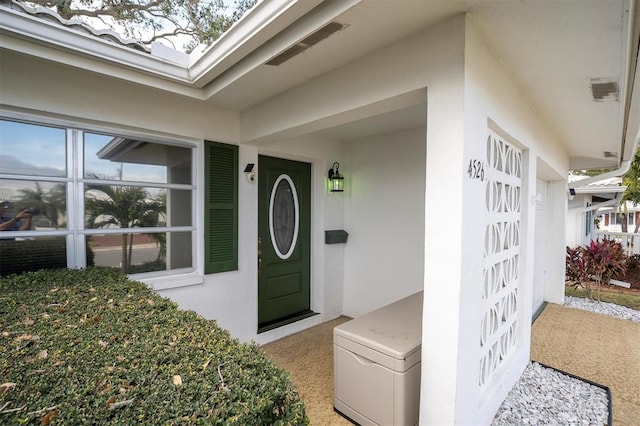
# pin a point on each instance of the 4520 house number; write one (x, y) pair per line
(476, 170)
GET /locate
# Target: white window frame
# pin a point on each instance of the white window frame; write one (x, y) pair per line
(76, 232)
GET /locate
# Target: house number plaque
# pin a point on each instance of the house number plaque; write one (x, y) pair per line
(476, 170)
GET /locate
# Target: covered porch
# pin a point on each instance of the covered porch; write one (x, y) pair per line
(564, 338)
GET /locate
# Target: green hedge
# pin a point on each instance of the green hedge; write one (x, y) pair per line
(92, 347)
(17, 256)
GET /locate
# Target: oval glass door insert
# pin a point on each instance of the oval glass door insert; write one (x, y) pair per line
(284, 216)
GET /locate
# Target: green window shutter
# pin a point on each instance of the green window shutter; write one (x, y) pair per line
(221, 207)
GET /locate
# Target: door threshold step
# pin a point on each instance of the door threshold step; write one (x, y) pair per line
(285, 321)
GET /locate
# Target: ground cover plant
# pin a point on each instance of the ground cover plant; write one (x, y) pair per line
(92, 347)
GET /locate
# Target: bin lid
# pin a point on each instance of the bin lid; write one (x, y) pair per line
(394, 330)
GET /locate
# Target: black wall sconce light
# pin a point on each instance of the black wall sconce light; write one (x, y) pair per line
(336, 180)
(249, 173)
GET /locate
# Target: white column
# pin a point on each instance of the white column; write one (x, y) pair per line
(444, 274)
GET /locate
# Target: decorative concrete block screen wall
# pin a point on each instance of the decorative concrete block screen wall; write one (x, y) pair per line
(501, 257)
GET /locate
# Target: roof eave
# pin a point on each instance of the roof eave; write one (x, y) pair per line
(30, 35)
(288, 33)
(261, 23)
(20, 26)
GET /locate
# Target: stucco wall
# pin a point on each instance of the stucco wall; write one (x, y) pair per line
(494, 101)
(384, 214)
(59, 90)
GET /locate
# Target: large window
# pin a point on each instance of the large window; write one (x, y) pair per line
(74, 198)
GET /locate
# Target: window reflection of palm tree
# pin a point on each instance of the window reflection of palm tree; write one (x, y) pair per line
(124, 207)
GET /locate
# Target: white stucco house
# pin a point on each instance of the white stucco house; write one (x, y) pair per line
(610, 220)
(596, 211)
(591, 200)
(454, 124)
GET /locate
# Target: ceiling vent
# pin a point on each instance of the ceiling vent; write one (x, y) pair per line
(312, 40)
(605, 90)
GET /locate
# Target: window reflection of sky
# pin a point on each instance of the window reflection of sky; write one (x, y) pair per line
(32, 150)
(28, 149)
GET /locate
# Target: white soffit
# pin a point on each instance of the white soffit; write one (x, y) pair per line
(553, 50)
(369, 25)
(238, 80)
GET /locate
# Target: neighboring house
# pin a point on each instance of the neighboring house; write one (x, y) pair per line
(611, 219)
(611, 225)
(454, 123)
(590, 202)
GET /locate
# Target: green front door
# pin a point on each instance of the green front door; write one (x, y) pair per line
(284, 226)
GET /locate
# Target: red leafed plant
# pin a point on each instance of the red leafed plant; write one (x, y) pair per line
(598, 262)
(576, 271)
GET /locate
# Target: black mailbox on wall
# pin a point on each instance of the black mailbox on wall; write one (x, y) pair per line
(336, 236)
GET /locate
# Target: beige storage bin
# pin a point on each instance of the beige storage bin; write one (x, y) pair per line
(377, 365)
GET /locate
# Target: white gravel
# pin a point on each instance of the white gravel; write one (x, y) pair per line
(602, 308)
(544, 396)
